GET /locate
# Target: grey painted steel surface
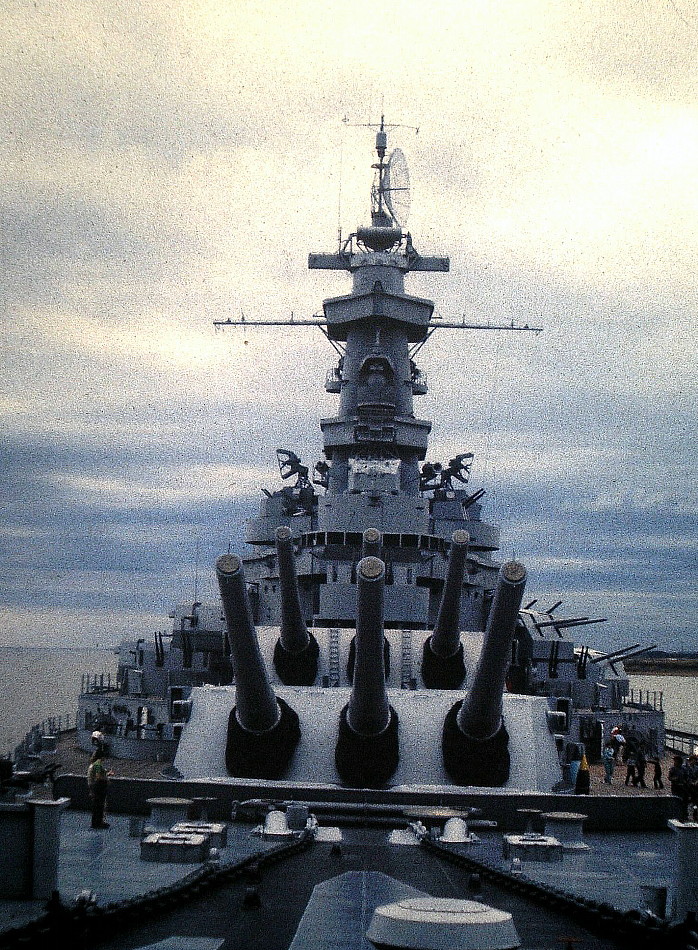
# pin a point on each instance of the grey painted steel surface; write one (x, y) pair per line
(445, 639)
(369, 710)
(257, 709)
(480, 715)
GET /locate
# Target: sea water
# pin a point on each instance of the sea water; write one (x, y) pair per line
(680, 698)
(38, 683)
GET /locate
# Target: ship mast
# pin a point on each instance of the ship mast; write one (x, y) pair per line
(374, 445)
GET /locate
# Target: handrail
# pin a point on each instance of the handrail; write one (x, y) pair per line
(681, 740)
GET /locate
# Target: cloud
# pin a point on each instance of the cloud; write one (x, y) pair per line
(172, 164)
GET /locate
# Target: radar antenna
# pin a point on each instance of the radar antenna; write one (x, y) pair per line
(390, 194)
(396, 188)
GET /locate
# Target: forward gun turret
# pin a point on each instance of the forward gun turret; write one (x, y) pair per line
(263, 730)
(367, 750)
(475, 740)
(296, 651)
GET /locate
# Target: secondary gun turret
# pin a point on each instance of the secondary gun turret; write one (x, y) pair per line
(263, 730)
(367, 749)
(296, 651)
(475, 741)
(443, 666)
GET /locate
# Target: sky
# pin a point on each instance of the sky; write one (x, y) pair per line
(165, 165)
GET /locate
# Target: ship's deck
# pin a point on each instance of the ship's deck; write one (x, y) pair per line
(108, 863)
(71, 760)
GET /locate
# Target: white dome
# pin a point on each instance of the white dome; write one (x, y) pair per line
(435, 923)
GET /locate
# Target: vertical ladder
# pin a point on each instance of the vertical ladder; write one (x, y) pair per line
(333, 657)
(406, 660)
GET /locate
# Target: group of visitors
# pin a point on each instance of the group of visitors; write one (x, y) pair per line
(633, 754)
(683, 776)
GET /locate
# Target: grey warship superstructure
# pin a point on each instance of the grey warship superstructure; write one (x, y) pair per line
(371, 621)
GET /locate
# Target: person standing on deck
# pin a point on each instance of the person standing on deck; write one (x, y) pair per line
(657, 776)
(609, 761)
(692, 786)
(641, 761)
(678, 777)
(98, 783)
(618, 740)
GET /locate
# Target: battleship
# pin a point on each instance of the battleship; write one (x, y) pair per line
(375, 687)
(374, 494)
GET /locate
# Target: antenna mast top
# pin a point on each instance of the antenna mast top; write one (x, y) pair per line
(390, 191)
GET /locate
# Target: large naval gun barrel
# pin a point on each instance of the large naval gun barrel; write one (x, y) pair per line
(296, 651)
(263, 730)
(443, 666)
(475, 741)
(371, 546)
(367, 750)
(371, 543)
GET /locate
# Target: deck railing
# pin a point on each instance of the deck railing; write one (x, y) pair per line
(98, 683)
(32, 743)
(645, 699)
(682, 737)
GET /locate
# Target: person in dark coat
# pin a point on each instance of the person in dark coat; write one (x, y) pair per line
(98, 783)
(641, 765)
(678, 778)
(692, 786)
(657, 775)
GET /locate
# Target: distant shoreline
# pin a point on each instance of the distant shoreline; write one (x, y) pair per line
(663, 666)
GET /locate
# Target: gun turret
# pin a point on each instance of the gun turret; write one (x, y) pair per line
(475, 742)
(367, 749)
(443, 666)
(263, 730)
(296, 651)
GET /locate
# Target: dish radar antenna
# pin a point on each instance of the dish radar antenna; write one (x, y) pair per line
(390, 194)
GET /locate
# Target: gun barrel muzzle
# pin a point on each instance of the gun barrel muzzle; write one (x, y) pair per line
(481, 712)
(294, 633)
(475, 740)
(255, 700)
(367, 750)
(263, 731)
(296, 652)
(369, 710)
(371, 543)
(443, 666)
